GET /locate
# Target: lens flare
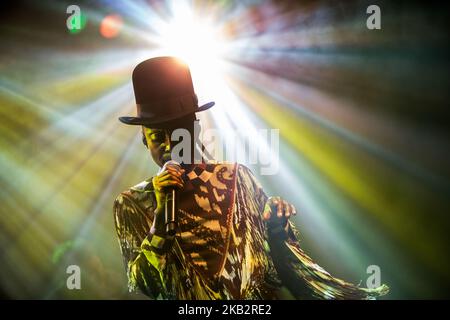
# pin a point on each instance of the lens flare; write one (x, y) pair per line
(111, 26)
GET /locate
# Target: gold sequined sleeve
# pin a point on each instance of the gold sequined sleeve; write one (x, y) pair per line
(298, 272)
(144, 254)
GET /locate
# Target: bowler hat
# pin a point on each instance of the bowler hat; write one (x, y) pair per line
(164, 92)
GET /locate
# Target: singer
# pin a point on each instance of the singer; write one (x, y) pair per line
(207, 230)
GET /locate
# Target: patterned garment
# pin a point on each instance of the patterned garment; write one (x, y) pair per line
(223, 249)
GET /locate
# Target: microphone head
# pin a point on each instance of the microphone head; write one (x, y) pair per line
(166, 157)
(170, 163)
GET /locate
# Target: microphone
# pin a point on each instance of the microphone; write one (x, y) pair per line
(171, 207)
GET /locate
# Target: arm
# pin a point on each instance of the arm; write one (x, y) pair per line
(297, 271)
(146, 249)
(274, 211)
(145, 254)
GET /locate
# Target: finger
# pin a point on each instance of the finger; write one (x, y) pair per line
(287, 209)
(174, 167)
(171, 177)
(177, 176)
(294, 211)
(157, 180)
(169, 174)
(175, 171)
(280, 208)
(162, 175)
(171, 183)
(274, 200)
(267, 211)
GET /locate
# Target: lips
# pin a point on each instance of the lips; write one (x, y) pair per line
(166, 157)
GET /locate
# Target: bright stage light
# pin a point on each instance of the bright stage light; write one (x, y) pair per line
(194, 40)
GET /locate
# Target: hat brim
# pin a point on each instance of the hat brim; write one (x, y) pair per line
(162, 122)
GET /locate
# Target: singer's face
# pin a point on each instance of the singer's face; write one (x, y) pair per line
(158, 142)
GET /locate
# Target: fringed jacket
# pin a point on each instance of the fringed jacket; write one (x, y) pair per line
(223, 248)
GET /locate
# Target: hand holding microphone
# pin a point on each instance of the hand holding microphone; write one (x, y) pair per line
(165, 185)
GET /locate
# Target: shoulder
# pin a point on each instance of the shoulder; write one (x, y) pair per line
(138, 198)
(133, 214)
(245, 171)
(137, 193)
(246, 175)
